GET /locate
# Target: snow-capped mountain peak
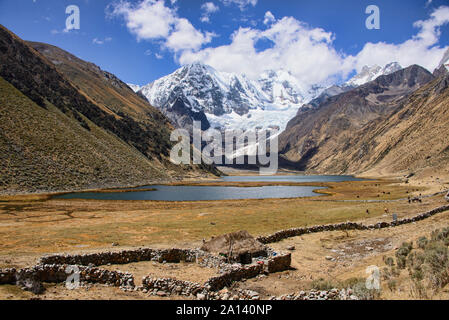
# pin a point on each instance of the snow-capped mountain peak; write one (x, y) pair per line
(445, 60)
(231, 101)
(370, 73)
(135, 87)
(234, 101)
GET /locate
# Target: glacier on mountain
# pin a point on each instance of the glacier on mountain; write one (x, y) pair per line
(233, 101)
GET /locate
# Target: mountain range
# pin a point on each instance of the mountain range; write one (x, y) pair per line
(233, 101)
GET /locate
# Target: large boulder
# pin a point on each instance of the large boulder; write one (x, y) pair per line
(237, 247)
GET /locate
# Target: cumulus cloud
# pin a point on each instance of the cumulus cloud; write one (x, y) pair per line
(421, 49)
(242, 4)
(269, 18)
(306, 52)
(153, 20)
(208, 8)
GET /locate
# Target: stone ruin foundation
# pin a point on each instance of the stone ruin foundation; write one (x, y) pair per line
(244, 264)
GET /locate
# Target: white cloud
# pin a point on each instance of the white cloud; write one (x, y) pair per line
(306, 52)
(101, 41)
(208, 8)
(309, 54)
(269, 18)
(242, 4)
(158, 56)
(152, 20)
(421, 49)
(185, 36)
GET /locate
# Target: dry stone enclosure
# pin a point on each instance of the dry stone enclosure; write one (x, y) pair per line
(241, 265)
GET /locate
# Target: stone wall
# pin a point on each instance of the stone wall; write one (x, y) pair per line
(167, 286)
(237, 274)
(7, 276)
(279, 263)
(232, 274)
(289, 233)
(173, 255)
(56, 273)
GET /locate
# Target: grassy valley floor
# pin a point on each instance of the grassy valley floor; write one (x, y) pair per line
(33, 226)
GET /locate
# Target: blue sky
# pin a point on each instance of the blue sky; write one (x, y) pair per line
(318, 41)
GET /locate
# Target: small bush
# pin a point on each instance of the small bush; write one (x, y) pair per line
(352, 282)
(440, 235)
(363, 293)
(389, 261)
(323, 285)
(437, 264)
(422, 242)
(415, 261)
(419, 290)
(392, 284)
(402, 253)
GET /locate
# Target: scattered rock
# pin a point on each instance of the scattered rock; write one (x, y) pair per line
(32, 285)
(201, 296)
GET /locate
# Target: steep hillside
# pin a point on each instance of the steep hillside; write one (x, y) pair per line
(372, 127)
(104, 89)
(38, 79)
(415, 138)
(97, 103)
(43, 149)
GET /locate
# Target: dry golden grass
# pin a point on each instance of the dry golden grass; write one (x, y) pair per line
(30, 228)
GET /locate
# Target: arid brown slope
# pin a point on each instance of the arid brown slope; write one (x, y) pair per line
(38, 79)
(103, 106)
(383, 125)
(42, 149)
(104, 88)
(415, 137)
